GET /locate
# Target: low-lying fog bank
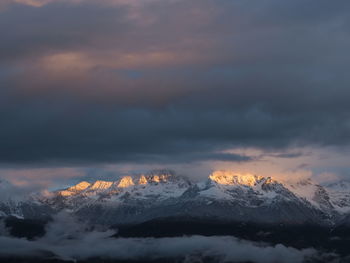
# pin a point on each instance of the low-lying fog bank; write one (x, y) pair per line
(66, 239)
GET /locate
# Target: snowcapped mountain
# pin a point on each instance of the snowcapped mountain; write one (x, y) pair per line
(13, 202)
(339, 194)
(223, 196)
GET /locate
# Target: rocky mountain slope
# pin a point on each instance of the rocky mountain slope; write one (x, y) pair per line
(13, 202)
(223, 196)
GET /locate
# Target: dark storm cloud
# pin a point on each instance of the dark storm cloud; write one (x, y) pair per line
(29, 31)
(171, 81)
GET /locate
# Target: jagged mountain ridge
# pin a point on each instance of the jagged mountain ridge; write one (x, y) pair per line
(224, 196)
(13, 202)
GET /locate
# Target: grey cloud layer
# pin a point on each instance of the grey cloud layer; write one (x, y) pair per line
(63, 234)
(171, 81)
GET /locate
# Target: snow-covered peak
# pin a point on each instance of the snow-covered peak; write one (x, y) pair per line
(86, 186)
(304, 188)
(339, 193)
(339, 186)
(80, 186)
(158, 178)
(247, 190)
(161, 176)
(314, 193)
(101, 185)
(142, 180)
(224, 193)
(125, 182)
(232, 178)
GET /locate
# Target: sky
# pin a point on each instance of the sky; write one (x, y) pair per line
(96, 89)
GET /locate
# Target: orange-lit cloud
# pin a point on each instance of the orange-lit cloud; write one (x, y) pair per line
(40, 177)
(40, 3)
(36, 3)
(83, 61)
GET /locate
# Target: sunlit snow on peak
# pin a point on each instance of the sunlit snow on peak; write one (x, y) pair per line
(80, 186)
(101, 185)
(143, 180)
(232, 178)
(126, 181)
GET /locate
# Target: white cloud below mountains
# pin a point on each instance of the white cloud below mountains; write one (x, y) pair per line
(63, 234)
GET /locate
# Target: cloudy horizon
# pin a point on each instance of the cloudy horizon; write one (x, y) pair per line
(91, 89)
